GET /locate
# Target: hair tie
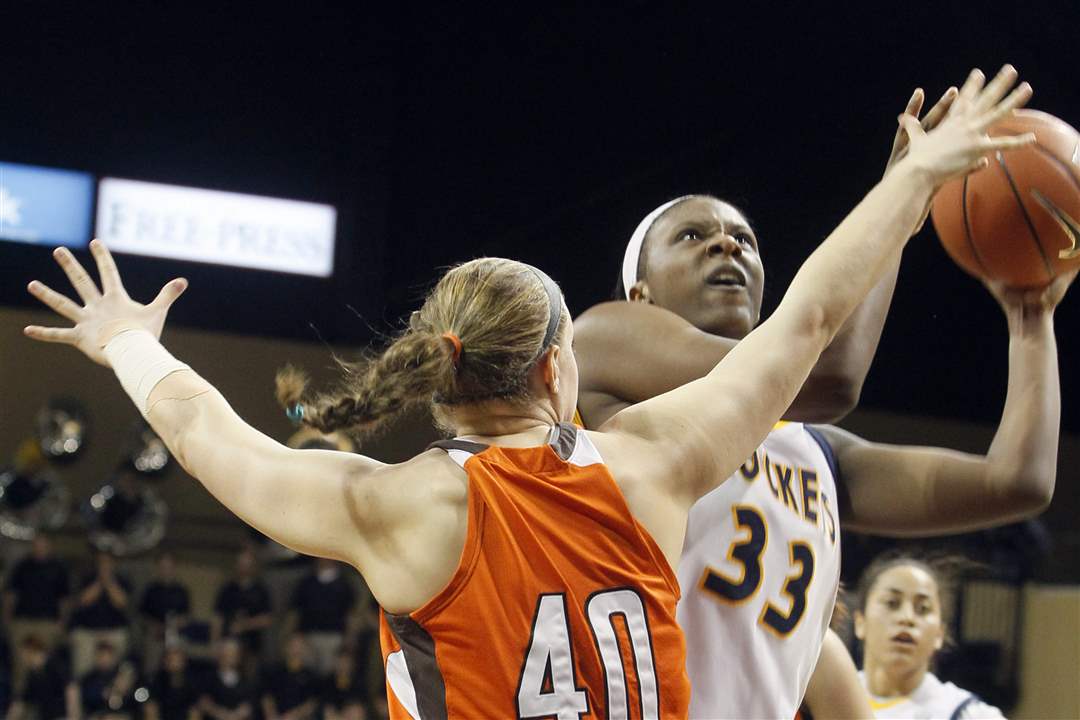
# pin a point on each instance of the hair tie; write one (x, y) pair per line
(456, 342)
(295, 413)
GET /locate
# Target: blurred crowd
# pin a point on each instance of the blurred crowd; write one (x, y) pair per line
(98, 647)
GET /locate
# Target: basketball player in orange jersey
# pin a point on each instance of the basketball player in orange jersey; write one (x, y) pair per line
(760, 564)
(524, 569)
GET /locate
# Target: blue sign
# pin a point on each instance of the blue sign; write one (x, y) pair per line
(45, 206)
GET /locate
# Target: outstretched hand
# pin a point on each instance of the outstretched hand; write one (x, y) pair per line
(960, 144)
(930, 121)
(104, 312)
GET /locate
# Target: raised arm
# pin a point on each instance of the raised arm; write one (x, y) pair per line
(904, 491)
(621, 363)
(708, 427)
(836, 382)
(316, 502)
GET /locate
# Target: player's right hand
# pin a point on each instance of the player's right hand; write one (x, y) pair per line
(1034, 301)
(960, 144)
(105, 312)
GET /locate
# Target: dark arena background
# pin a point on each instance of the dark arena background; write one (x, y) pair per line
(541, 133)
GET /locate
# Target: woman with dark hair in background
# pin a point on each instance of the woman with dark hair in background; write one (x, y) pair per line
(902, 620)
(515, 547)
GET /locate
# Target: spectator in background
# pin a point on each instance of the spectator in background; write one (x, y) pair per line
(126, 502)
(34, 601)
(173, 691)
(228, 695)
(100, 615)
(380, 710)
(106, 691)
(165, 605)
(344, 693)
(7, 697)
(291, 691)
(323, 602)
(45, 684)
(242, 608)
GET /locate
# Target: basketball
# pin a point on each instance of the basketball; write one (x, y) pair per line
(1017, 220)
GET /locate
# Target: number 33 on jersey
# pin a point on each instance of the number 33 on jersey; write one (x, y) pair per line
(759, 574)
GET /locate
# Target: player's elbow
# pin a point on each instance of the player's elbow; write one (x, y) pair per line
(825, 399)
(1035, 495)
(841, 397)
(1029, 490)
(815, 324)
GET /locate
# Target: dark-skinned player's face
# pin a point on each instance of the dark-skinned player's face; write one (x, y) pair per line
(701, 261)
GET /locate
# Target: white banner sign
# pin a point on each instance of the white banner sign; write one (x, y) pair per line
(216, 227)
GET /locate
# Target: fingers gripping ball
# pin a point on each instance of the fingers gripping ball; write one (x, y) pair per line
(1018, 220)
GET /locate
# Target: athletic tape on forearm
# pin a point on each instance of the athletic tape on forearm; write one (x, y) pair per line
(140, 363)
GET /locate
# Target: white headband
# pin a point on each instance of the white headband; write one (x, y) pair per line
(633, 248)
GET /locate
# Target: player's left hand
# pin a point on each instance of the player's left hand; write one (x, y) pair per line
(929, 122)
(105, 312)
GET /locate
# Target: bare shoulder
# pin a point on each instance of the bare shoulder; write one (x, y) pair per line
(610, 316)
(596, 334)
(629, 457)
(426, 480)
(616, 341)
(417, 516)
(599, 314)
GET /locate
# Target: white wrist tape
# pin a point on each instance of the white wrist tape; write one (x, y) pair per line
(140, 363)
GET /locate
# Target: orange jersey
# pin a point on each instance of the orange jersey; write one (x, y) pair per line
(562, 606)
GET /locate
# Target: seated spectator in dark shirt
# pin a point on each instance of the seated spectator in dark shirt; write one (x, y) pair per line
(291, 691)
(107, 690)
(34, 600)
(173, 692)
(323, 601)
(344, 695)
(242, 608)
(164, 609)
(228, 695)
(126, 502)
(101, 614)
(44, 690)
